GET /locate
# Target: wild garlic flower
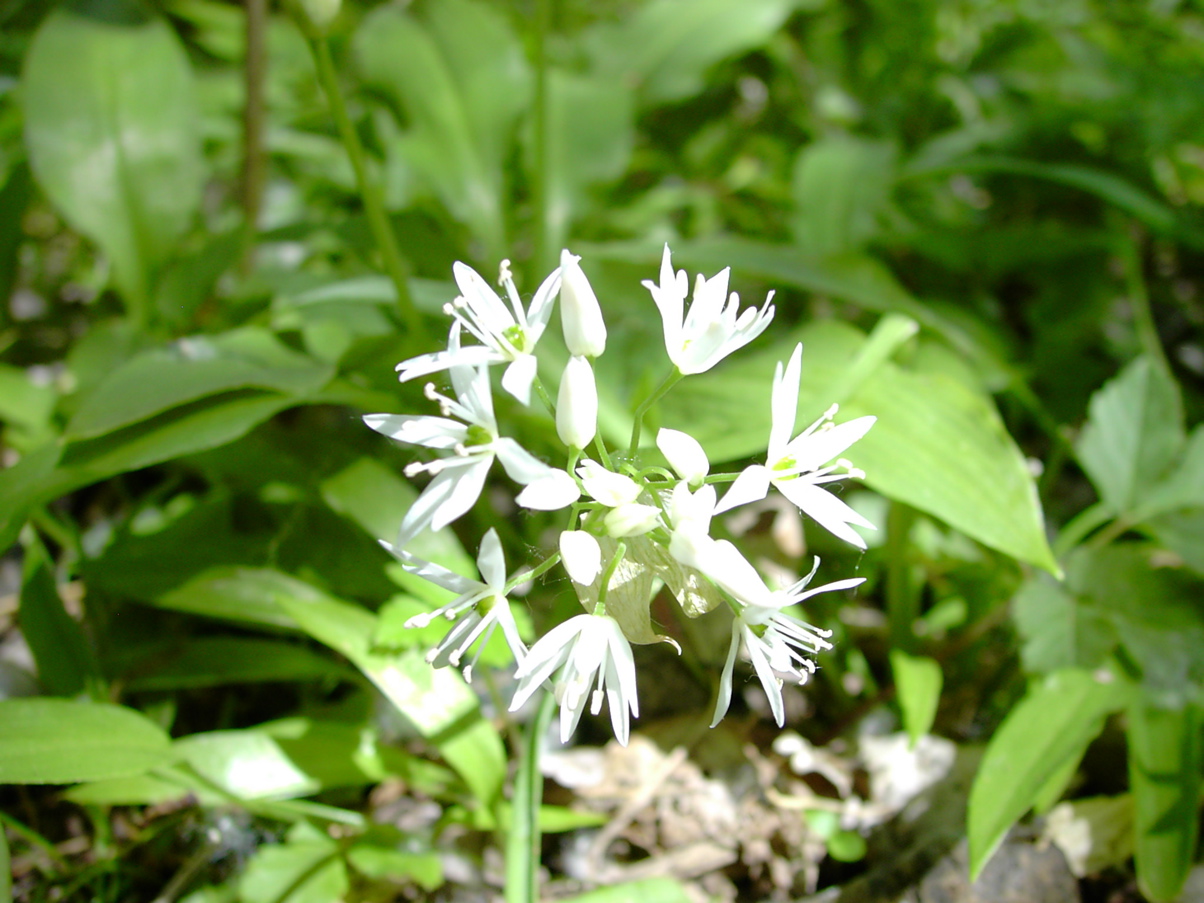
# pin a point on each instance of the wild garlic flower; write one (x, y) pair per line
(696, 341)
(580, 315)
(591, 650)
(799, 467)
(777, 643)
(481, 606)
(458, 480)
(507, 334)
(577, 404)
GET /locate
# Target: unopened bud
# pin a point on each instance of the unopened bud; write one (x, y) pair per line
(577, 404)
(580, 315)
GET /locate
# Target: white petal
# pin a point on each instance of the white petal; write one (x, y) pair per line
(684, 454)
(828, 511)
(610, 488)
(581, 555)
(550, 492)
(541, 305)
(435, 573)
(426, 364)
(814, 451)
(577, 404)
(413, 429)
(758, 651)
(519, 376)
(459, 489)
(490, 311)
(631, 519)
(521, 466)
(751, 486)
(785, 403)
(492, 562)
(725, 680)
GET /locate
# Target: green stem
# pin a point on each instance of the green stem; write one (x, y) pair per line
(539, 149)
(374, 206)
(538, 571)
(666, 384)
(523, 838)
(1080, 526)
(620, 551)
(1143, 317)
(603, 454)
(901, 601)
(254, 170)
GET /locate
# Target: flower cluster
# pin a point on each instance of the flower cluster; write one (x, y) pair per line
(629, 528)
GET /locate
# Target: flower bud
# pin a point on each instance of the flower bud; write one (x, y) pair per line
(610, 488)
(631, 519)
(582, 556)
(577, 404)
(580, 315)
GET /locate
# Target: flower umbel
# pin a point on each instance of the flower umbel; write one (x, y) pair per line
(590, 648)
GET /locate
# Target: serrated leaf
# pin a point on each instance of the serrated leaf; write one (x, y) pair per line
(1059, 630)
(111, 126)
(1182, 487)
(53, 741)
(1165, 760)
(1133, 434)
(1052, 725)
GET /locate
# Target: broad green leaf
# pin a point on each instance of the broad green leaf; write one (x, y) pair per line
(166, 784)
(664, 48)
(25, 409)
(461, 78)
(649, 890)
(1053, 724)
(159, 380)
(66, 663)
(1165, 761)
(111, 126)
(22, 486)
(1182, 487)
(424, 869)
(919, 682)
(1183, 533)
(308, 868)
(247, 764)
(436, 701)
(53, 741)
(840, 186)
(1133, 434)
(240, 594)
(217, 661)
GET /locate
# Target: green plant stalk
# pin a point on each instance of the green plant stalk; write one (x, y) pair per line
(523, 838)
(539, 145)
(253, 159)
(1139, 298)
(901, 601)
(374, 206)
(667, 383)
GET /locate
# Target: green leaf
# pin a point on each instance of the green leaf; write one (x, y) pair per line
(25, 408)
(250, 595)
(919, 681)
(664, 48)
(841, 184)
(53, 741)
(111, 126)
(649, 890)
(247, 764)
(306, 869)
(197, 367)
(437, 701)
(1183, 533)
(66, 663)
(1165, 760)
(1133, 434)
(424, 869)
(217, 661)
(1059, 630)
(1182, 487)
(1052, 725)
(461, 78)
(6, 873)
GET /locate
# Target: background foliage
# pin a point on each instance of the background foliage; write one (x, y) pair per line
(981, 219)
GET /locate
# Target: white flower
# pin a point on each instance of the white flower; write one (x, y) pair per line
(797, 466)
(618, 492)
(474, 444)
(777, 642)
(485, 603)
(584, 646)
(698, 340)
(577, 404)
(685, 455)
(580, 315)
(507, 334)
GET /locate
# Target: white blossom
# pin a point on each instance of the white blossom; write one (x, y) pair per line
(699, 339)
(580, 315)
(458, 479)
(593, 652)
(581, 555)
(798, 467)
(480, 606)
(685, 455)
(507, 334)
(777, 643)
